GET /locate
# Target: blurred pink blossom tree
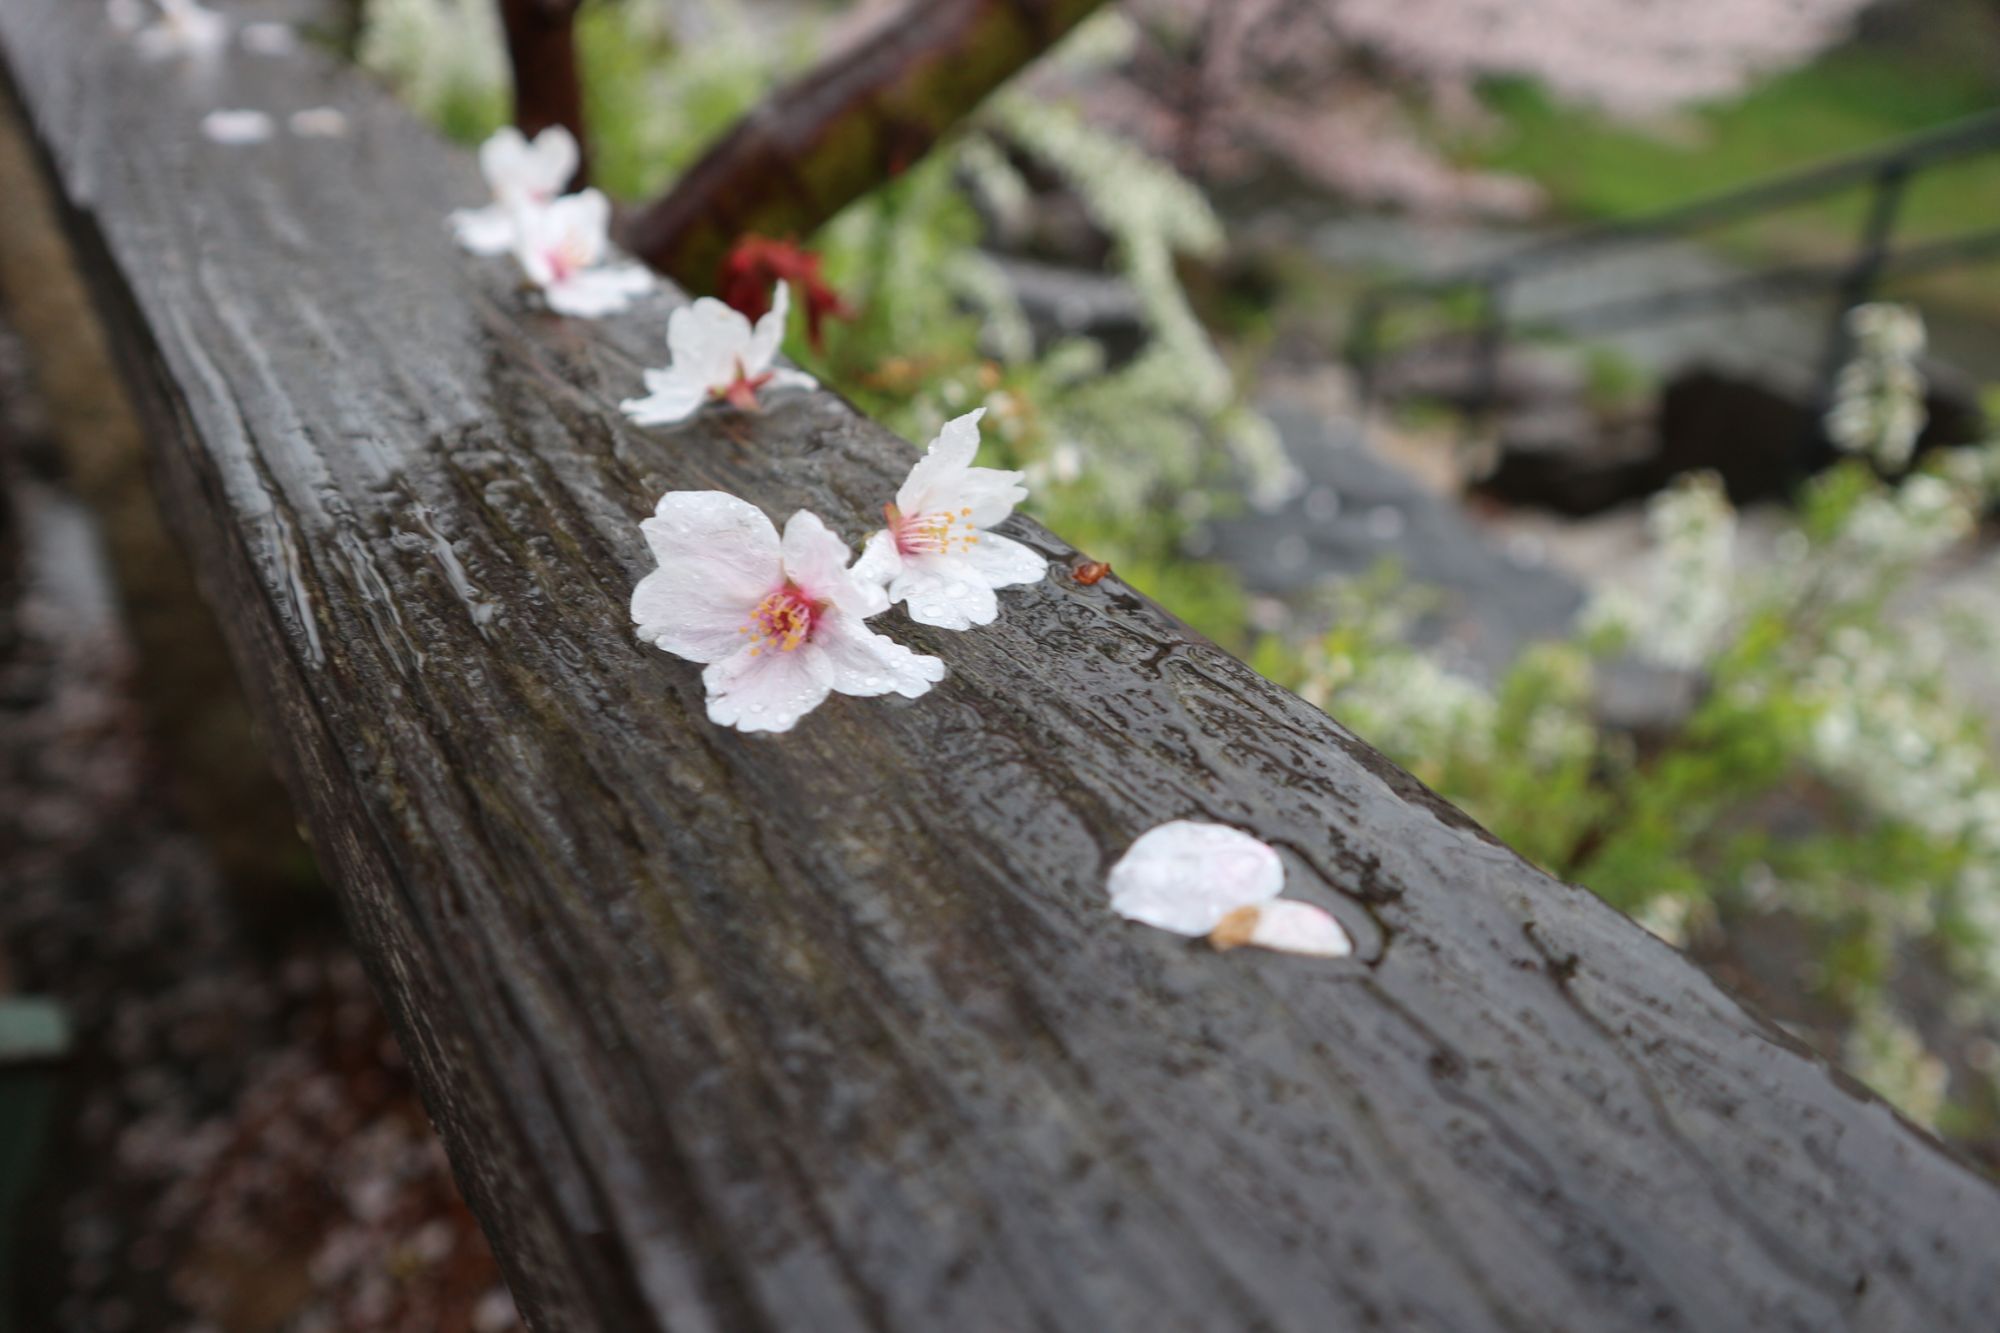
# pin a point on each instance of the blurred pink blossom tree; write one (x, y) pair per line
(1328, 86)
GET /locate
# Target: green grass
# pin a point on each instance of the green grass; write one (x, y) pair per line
(1846, 102)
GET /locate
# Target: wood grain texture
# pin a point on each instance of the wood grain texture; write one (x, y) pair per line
(834, 1030)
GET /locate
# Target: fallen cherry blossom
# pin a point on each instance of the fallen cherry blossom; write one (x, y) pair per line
(237, 127)
(183, 28)
(777, 621)
(937, 555)
(716, 356)
(523, 176)
(562, 248)
(1195, 879)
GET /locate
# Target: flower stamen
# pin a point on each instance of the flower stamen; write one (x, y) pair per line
(741, 392)
(782, 621)
(930, 534)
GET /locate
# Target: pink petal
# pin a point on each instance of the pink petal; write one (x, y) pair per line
(719, 557)
(1286, 926)
(817, 561)
(1002, 562)
(766, 689)
(943, 465)
(865, 663)
(945, 591)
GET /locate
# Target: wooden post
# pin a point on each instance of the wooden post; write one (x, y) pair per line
(541, 49)
(823, 141)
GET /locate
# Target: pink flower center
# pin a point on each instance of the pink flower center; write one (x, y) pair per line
(783, 620)
(741, 392)
(931, 534)
(566, 258)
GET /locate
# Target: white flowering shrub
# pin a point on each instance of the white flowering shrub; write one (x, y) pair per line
(1679, 620)
(1827, 772)
(446, 58)
(1878, 408)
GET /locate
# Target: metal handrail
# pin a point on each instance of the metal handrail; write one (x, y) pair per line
(1886, 170)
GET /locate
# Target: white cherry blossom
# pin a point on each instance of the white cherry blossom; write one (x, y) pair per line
(777, 620)
(937, 555)
(183, 28)
(523, 175)
(562, 248)
(717, 355)
(1198, 879)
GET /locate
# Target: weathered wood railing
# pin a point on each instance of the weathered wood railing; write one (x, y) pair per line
(835, 1031)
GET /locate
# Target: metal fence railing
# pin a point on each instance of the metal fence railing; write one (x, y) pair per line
(1886, 172)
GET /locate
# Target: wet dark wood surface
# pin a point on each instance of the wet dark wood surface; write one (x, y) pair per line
(834, 1030)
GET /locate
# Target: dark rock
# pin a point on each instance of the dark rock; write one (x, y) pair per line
(1357, 510)
(1754, 433)
(1063, 302)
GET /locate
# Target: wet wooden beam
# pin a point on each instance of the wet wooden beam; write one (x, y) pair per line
(835, 1030)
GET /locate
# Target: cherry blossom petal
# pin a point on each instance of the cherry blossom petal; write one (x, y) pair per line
(671, 396)
(518, 171)
(1186, 876)
(817, 560)
(184, 28)
(596, 292)
(705, 339)
(944, 591)
(237, 127)
(866, 663)
(1284, 926)
(1002, 562)
(503, 158)
(880, 561)
(944, 480)
(782, 378)
(770, 331)
(552, 159)
(719, 556)
(484, 231)
(989, 493)
(585, 216)
(934, 481)
(756, 690)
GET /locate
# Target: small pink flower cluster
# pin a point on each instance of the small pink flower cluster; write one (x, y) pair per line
(778, 620)
(561, 241)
